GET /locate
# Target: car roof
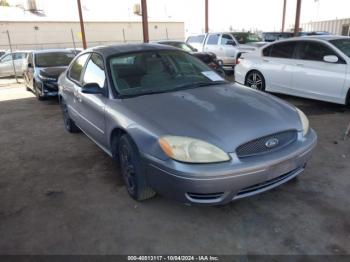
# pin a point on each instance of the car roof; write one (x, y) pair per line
(311, 37)
(128, 48)
(326, 37)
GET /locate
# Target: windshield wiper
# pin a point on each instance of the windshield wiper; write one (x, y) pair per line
(177, 88)
(198, 84)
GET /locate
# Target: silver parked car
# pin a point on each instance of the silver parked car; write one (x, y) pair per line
(177, 128)
(6, 64)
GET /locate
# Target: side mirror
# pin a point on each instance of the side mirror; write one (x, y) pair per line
(330, 59)
(91, 88)
(195, 50)
(230, 42)
(30, 65)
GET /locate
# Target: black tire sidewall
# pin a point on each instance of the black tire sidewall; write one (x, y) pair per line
(139, 180)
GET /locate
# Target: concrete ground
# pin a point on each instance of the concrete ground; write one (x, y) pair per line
(60, 194)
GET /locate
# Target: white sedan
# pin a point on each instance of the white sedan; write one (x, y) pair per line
(316, 67)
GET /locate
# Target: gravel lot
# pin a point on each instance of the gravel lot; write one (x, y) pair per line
(61, 194)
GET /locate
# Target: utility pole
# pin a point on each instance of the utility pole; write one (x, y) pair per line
(75, 48)
(284, 14)
(13, 62)
(206, 27)
(297, 18)
(144, 21)
(82, 29)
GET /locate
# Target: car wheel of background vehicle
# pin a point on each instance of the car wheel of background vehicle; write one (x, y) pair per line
(25, 83)
(68, 122)
(255, 80)
(130, 167)
(37, 93)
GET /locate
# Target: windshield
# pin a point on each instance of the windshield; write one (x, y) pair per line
(53, 59)
(158, 72)
(343, 45)
(244, 38)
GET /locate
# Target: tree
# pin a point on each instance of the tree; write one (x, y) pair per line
(4, 3)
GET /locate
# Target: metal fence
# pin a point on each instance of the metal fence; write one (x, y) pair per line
(32, 36)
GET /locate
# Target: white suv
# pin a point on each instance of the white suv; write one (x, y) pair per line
(315, 67)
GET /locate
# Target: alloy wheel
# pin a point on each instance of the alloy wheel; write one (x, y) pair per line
(255, 81)
(127, 168)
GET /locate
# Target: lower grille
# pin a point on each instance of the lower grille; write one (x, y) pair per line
(209, 196)
(258, 146)
(258, 187)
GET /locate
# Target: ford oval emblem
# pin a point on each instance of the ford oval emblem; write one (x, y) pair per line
(271, 143)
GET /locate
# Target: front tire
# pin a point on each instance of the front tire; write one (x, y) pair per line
(131, 170)
(37, 93)
(69, 124)
(255, 80)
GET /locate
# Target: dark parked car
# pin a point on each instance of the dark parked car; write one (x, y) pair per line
(43, 68)
(208, 58)
(175, 127)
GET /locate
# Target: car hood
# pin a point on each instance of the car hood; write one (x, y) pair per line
(224, 115)
(53, 72)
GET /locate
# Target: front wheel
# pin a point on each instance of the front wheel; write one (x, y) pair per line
(131, 169)
(255, 80)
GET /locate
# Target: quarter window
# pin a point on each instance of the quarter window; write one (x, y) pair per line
(77, 67)
(313, 51)
(213, 39)
(94, 72)
(280, 50)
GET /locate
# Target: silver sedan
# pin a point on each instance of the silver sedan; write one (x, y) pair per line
(177, 128)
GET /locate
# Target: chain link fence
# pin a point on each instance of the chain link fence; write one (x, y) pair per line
(33, 36)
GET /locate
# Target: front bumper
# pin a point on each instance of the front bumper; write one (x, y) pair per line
(220, 183)
(49, 88)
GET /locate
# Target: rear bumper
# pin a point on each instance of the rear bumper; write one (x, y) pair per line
(214, 184)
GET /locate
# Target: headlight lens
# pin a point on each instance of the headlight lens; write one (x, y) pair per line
(304, 121)
(191, 150)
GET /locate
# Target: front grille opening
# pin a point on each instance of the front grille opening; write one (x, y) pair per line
(258, 146)
(262, 185)
(208, 196)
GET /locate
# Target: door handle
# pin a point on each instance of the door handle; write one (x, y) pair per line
(265, 60)
(299, 64)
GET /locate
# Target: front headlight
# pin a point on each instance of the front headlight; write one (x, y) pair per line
(191, 150)
(304, 121)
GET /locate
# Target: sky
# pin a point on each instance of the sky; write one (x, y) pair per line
(265, 15)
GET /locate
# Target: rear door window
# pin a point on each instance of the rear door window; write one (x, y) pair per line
(213, 39)
(77, 67)
(280, 50)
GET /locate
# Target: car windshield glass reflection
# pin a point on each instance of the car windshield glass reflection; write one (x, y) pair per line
(343, 45)
(53, 59)
(158, 72)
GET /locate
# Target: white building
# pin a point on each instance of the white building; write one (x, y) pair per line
(336, 27)
(32, 28)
